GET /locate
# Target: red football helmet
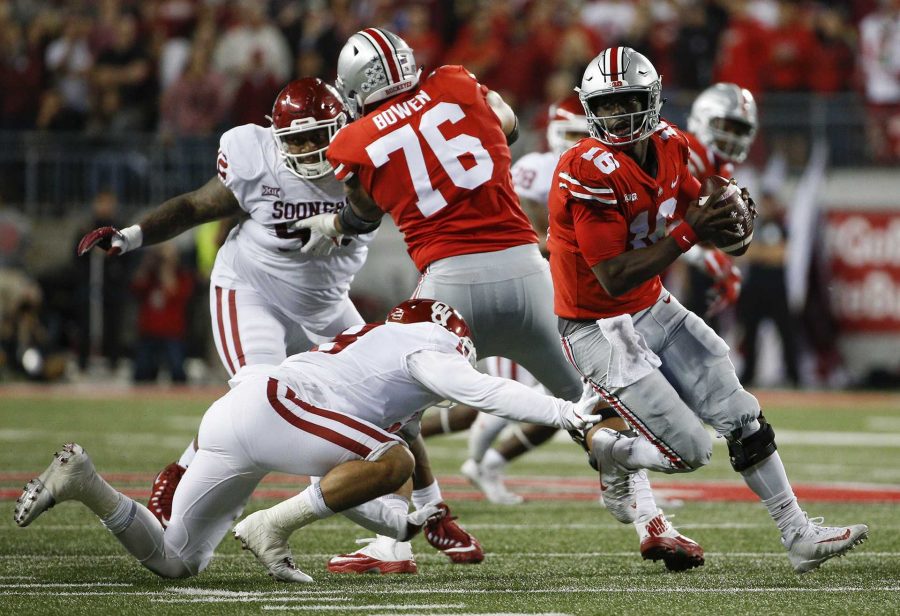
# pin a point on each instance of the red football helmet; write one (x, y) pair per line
(433, 311)
(306, 115)
(567, 124)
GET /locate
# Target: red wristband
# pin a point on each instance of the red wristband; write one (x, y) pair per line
(684, 236)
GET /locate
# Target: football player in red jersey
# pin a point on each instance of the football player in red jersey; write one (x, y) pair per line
(623, 208)
(433, 153)
(721, 128)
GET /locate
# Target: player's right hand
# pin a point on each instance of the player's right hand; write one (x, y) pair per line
(109, 239)
(580, 415)
(417, 520)
(711, 223)
(324, 236)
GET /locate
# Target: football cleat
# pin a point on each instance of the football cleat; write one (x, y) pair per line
(813, 544)
(382, 555)
(616, 484)
(660, 541)
(67, 477)
(270, 546)
(490, 482)
(162, 492)
(446, 535)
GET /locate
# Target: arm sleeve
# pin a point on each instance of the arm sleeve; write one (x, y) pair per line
(450, 376)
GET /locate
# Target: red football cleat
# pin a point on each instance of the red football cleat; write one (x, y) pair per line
(382, 555)
(660, 541)
(160, 503)
(453, 540)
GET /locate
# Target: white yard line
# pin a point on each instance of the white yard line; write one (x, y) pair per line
(336, 608)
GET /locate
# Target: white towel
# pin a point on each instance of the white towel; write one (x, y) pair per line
(630, 359)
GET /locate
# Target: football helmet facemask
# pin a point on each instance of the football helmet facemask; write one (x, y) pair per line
(305, 117)
(433, 311)
(567, 124)
(373, 65)
(619, 72)
(724, 119)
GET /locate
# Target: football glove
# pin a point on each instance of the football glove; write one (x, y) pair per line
(580, 415)
(724, 292)
(323, 237)
(112, 240)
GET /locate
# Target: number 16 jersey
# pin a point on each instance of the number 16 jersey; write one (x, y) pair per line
(437, 161)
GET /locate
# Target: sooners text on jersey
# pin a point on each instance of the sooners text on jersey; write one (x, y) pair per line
(603, 204)
(437, 161)
(250, 166)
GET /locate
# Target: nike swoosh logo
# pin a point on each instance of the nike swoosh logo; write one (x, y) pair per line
(843, 537)
(669, 297)
(675, 181)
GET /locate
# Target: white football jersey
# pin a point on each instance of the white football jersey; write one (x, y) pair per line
(250, 165)
(533, 175)
(388, 373)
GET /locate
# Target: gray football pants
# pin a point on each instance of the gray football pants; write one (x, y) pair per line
(506, 297)
(666, 400)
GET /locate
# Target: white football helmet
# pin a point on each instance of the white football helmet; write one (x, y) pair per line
(567, 120)
(723, 117)
(619, 70)
(374, 65)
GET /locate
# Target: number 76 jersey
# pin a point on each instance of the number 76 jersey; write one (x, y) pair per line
(603, 204)
(437, 161)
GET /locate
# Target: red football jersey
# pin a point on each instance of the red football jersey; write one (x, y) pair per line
(703, 162)
(437, 161)
(603, 204)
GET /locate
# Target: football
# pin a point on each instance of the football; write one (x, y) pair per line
(743, 217)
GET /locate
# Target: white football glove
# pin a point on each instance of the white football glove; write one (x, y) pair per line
(580, 415)
(417, 520)
(323, 237)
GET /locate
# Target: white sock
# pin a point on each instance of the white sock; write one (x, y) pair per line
(188, 456)
(482, 434)
(643, 496)
(769, 481)
(637, 452)
(430, 494)
(99, 496)
(316, 502)
(493, 460)
(144, 538)
(386, 515)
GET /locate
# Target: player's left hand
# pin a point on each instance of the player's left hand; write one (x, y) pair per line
(321, 245)
(417, 520)
(580, 415)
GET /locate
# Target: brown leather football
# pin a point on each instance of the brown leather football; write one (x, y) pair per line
(716, 191)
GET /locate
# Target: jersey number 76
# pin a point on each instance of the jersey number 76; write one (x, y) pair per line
(447, 152)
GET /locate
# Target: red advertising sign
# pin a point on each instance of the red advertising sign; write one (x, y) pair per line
(863, 252)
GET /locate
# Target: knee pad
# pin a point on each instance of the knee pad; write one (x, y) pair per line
(753, 449)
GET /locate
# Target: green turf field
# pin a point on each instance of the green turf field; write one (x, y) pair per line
(555, 554)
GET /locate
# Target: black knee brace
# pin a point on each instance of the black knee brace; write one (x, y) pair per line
(745, 452)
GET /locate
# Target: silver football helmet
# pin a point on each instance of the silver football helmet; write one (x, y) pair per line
(723, 117)
(620, 70)
(373, 65)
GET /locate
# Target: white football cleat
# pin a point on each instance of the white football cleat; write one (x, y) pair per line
(382, 555)
(660, 541)
(270, 546)
(813, 544)
(490, 482)
(616, 483)
(67, 477)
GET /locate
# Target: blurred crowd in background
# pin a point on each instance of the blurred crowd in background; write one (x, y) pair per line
(183, 69)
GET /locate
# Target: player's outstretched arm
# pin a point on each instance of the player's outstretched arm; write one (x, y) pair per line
(450, 376)
(212, 201)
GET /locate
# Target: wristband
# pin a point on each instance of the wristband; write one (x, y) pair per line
(353, 225)
(684, 236)
(132, 237)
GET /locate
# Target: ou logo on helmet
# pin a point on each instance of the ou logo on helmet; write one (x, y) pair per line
(441, 313)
